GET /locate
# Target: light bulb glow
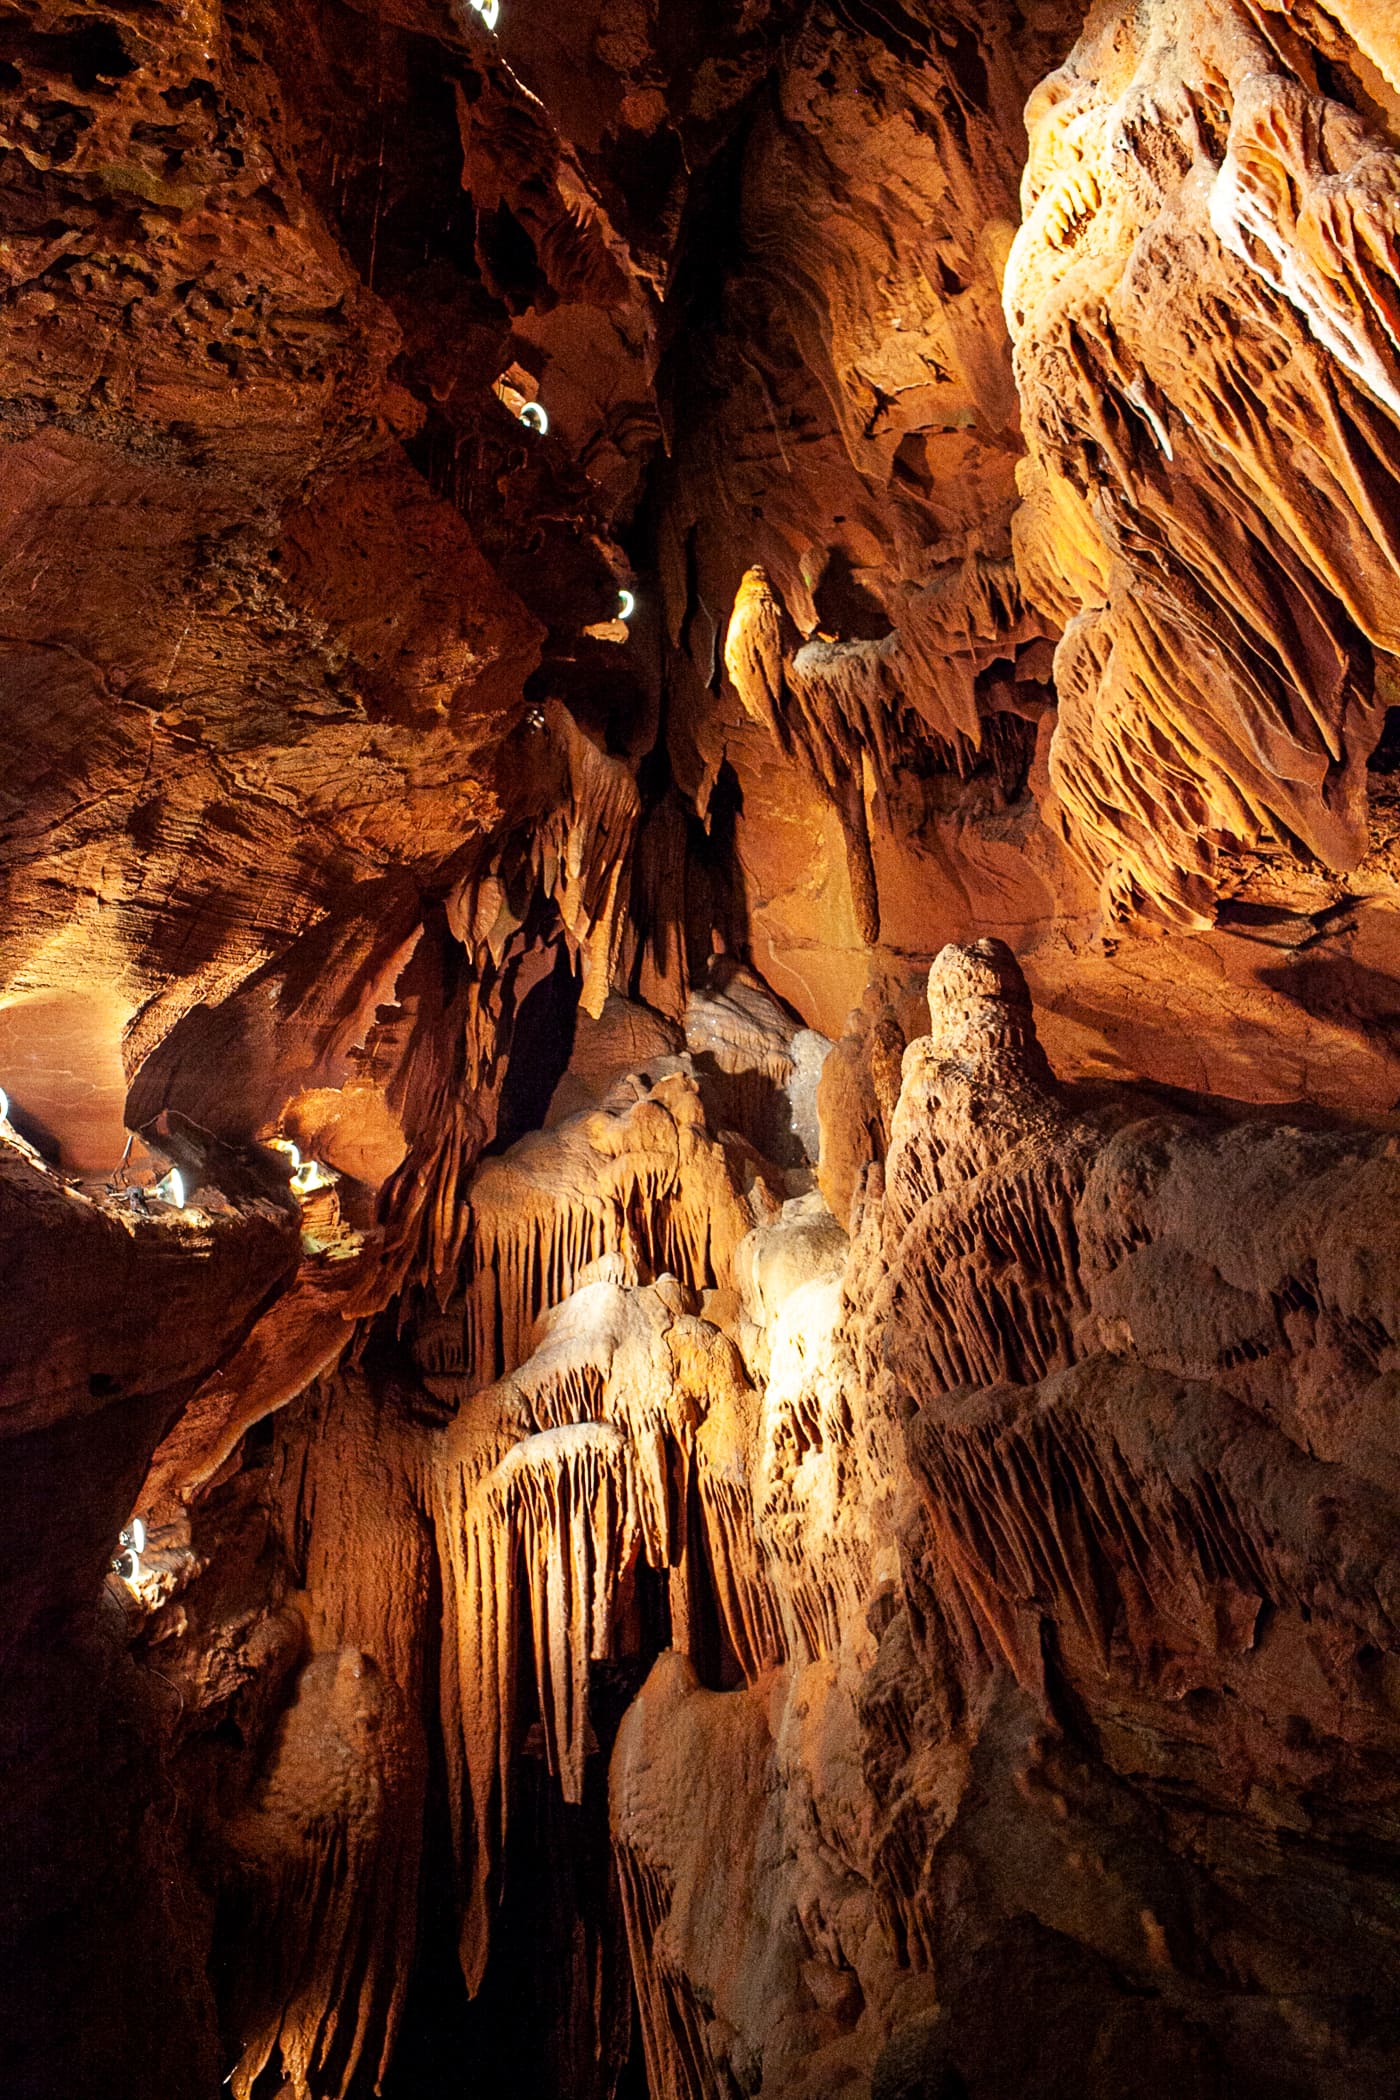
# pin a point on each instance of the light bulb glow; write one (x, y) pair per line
(4, 1106)
(534, 417)
(626, 605)
(489, 11)
(171, 1189)
(287, 1149)
(309, 1177)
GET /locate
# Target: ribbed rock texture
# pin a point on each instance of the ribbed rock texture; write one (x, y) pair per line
(699, 1191)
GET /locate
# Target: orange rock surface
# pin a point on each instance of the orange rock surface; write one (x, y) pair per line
(699, 1183)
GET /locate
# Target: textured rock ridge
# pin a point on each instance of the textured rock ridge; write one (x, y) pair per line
(1224, 536)
(1117, 1606)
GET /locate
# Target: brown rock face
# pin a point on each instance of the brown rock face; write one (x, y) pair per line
(699, 1199)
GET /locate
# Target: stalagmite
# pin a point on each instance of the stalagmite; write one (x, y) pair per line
(328, 1851)
(645, 1799)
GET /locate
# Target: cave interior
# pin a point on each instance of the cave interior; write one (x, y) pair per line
(700, 1049)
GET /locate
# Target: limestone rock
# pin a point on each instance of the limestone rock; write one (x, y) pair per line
(699, 1197)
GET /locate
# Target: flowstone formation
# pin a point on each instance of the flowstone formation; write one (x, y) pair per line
(699, 1182)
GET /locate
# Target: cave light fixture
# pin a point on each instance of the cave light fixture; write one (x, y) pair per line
(171, 1189)
(517, 389)
(489, 11)
(614, 629)
(17, 1142)
(131, 1544)
(308, 1175)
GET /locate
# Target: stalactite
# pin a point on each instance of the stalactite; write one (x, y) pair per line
(548, 1489)
(815, 1452)
(542, 1542)
(743, 1581)
(990, 1621)
(859, 714)
(477, 1688)
(648, 1184)
(446, 1090)
(1110, 1477)
(714, 1411)
(585, 854)
(1232, 546)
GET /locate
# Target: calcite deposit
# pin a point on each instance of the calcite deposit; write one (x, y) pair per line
(700, 1049)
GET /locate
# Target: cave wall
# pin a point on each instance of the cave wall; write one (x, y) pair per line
(763, 1404)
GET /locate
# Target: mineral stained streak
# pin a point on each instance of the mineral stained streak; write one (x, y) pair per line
(699, 1174)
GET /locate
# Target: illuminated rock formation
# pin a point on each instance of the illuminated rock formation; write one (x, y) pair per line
(1225, 570)
(1109, 1334)
(698, 1178)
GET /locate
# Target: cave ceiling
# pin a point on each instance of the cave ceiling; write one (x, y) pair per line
(699, 1049)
